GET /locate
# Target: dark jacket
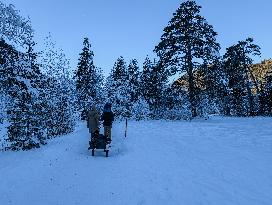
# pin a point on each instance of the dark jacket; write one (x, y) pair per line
(107, 118)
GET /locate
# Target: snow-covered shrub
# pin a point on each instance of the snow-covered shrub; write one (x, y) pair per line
(140, 110)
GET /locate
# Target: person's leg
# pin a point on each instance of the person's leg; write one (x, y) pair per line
(107, 136)
(107, 131)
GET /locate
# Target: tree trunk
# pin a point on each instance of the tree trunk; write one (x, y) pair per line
(191, 89)
(250, 100)
(259, 93)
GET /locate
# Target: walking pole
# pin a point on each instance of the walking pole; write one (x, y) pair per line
(126, 128)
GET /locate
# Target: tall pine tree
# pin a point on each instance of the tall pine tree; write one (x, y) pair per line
(188, 42)
(88, 80)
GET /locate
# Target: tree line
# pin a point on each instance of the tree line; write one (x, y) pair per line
(41, 98)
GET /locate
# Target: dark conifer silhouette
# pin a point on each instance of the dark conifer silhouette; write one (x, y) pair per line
(86, 79)
(188, 41)
(237, 66)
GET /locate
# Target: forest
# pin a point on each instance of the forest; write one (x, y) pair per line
(42, 97)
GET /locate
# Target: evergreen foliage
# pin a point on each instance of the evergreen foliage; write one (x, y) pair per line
(40, 99)
(13, 27)
(88, 80)
(237, 66)
(134, 80)
(18, 71)
(267, 101)
(153, 82)
(57, 93)
(187, 43)
(140, 109)
(119, 89)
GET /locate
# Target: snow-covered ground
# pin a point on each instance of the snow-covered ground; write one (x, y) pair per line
(215, 161)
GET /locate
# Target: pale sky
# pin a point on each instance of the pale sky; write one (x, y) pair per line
(133, 28)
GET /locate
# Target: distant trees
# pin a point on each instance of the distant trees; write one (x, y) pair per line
(40, 98)
(127, 90)
(261, 73)
(187, 43)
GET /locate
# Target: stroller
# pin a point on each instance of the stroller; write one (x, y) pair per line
(99, 141)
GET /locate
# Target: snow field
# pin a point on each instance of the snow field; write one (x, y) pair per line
(215, 161)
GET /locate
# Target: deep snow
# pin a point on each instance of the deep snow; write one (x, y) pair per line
(215, 161)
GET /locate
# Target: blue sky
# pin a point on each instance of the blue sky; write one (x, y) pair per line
(133, 28)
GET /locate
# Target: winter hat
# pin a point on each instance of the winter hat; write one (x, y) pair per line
(107, 107)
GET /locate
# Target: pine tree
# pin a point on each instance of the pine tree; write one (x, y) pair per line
(119, 71)
(188, 42)
(122, 89)
(237, 64)
(153, 82)
(88, 80)
(133, 78)
(119, 90)
(145, 80)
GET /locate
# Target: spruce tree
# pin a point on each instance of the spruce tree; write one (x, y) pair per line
(145, 80)
(119, 71)
(133, 78)
(87, 80)
(188, 42)
(119, 89)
